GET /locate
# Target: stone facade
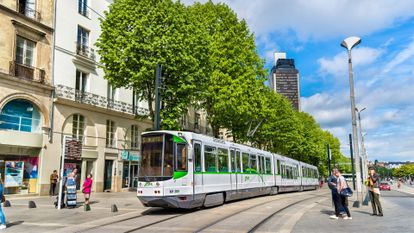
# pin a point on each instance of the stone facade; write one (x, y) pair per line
(26, 42)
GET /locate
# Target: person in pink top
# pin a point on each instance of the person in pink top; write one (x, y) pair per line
(87, 188)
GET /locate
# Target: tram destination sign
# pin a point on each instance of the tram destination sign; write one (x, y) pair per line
(73, 149)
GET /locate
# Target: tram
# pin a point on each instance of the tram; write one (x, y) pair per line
(187, 170)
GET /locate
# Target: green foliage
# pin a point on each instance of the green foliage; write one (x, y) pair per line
(210, 61)
(138, 35)
(231, 94)
(404, 170)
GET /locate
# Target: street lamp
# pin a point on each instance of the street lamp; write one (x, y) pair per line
(363, 155)
(350, 43)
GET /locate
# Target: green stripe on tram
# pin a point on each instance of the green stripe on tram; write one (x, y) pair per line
(177, 139)
(178, 175)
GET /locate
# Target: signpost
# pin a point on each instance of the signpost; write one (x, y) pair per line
(71, 149)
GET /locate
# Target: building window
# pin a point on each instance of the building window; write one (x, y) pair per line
(184, 120)
(110, 133)
(24, 51)
(135, 100)
(134, 137)
(111, 93)
(28, 8)
(83, 7)
(81, 81)
(78, 126)
(197, 120)
(20, 115)
(82, 42)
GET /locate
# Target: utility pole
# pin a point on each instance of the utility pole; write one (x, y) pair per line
(157, 118)
(349, 43)
(352, 160)
(328, 150)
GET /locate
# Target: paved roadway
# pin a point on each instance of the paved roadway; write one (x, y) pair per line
(292, 212)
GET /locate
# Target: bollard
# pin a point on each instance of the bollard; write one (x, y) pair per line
(32, 204)
(114, 208)
(7, 204)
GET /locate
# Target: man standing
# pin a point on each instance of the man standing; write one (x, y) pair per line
(53, 181)
(374, 192)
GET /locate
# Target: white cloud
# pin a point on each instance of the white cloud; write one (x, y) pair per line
(320, 19)
(338, 65)
(400, 58)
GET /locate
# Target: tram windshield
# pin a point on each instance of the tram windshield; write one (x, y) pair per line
(157, 156)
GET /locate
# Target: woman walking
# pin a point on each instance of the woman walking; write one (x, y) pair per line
(87, 188)
(2, 217)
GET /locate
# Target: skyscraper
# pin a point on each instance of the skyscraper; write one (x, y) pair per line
(285, 79)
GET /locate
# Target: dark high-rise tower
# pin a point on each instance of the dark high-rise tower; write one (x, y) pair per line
(285, 79)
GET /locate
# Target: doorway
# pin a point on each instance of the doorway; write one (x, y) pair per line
(108, 174)
(133, 173)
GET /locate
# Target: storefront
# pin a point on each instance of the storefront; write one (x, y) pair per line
(19, 174)
(130, 169)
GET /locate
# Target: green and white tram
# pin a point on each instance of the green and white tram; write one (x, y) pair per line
(189, 170)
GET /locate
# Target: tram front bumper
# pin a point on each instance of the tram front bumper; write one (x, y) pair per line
(180, 202)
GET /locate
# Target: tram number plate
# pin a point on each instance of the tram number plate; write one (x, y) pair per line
(174, 191)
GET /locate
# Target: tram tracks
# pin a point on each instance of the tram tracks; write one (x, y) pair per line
(261, 222)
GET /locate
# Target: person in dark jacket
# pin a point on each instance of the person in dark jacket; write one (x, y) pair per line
(332, 183)
(374, 192)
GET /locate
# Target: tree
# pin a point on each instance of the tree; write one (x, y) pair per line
(138, 35)
(404, 170)
(235, 80)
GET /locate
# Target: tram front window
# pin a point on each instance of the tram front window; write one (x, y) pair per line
(159, 158)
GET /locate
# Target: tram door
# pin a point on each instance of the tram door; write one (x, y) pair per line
(197, 164)
(235, 168)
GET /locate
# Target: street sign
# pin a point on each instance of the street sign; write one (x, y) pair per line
(73, 149)
(124, 155)
(134, 157)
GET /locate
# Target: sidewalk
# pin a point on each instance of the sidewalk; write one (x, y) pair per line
(46, 217)
(404, 188)
(397, 207)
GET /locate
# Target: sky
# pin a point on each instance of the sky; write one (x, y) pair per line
(310, 31)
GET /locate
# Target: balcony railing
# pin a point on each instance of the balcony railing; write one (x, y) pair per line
(27, 72)
(85, 51)
(70, 93)
(28, 11)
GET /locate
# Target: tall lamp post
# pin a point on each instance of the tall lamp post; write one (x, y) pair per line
(350, 43)
(363, 155)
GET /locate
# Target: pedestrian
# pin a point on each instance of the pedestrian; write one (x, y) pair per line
(3, 199)
(332, 182)
(399, 183)
(374, 192)
(342, 200)
(87, 188)
(53, 181)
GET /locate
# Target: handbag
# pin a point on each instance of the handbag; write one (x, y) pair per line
(346, 192)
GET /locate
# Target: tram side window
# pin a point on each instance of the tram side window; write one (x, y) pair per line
(223, 155)
(210, 159)
(237, 166)
(262, 165)
(197, 157)
(283, 171)
(253, 164)
(279, 168)
(268, 166)
(233, 160)
(245, 161)
(181, 157)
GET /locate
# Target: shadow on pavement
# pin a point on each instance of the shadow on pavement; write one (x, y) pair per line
(14, 223)
(162, 211)
(362, 212)
(327, 212)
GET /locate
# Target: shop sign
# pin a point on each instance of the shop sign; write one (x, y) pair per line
(134, 157)
(14, 174)
(124, 155)
(73, 149)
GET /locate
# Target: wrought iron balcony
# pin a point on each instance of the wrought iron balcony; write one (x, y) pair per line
(85, 51)
(70, 93)
(25, 9)
(27, 72)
